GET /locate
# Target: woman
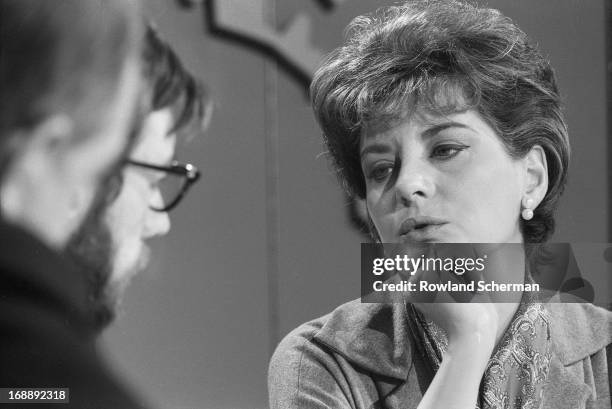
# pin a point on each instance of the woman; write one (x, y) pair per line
(447, 121)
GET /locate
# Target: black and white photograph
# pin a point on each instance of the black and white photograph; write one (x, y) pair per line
(284, 204)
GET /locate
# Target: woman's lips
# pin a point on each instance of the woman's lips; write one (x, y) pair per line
(420, 228)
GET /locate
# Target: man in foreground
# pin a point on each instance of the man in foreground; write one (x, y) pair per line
(69, 83)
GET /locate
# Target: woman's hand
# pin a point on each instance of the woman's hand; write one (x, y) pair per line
(476, 315)
(476, 321)
(457, 382)
(472, 328)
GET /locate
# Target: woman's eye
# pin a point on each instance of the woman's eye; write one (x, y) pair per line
(380, 173)
(447, 151)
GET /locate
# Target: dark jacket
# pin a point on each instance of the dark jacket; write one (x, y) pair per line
(361, 356)
(47, 337)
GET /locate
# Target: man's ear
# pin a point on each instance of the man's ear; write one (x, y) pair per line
(52, 138)
(41, 151)
(36, 183)
(536, 175)
(36, 155)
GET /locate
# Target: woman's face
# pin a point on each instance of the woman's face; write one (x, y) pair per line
(442, 179)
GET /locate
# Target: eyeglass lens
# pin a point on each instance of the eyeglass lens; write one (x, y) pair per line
(171, 187)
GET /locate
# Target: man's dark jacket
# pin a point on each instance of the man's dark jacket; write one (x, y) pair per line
(47, 336)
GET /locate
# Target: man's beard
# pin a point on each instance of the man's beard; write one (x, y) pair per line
(91, 249)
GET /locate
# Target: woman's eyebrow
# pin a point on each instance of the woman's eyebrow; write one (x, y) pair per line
(375, 148)
(437, 128)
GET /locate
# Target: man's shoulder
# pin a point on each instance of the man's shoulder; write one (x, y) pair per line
(47, 338)
(62, 360)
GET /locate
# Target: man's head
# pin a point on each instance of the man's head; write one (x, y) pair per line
(111, 245)
(69, 80)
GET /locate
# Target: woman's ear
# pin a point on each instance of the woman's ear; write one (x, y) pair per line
(536, 175)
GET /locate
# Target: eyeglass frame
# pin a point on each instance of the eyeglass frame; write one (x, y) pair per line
(187, 170)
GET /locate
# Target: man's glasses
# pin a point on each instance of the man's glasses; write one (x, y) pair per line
(173, 187)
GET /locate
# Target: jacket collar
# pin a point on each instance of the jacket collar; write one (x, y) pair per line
(376, 337)
(373, 336)
(578, 330)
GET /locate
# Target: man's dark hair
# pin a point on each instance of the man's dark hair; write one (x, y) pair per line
(167, 84)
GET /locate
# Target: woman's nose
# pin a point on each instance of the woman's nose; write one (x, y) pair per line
(414, 181)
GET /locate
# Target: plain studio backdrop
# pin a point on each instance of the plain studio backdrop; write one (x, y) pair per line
(263, 242)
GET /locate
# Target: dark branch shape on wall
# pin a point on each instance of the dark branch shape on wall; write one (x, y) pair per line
(287, 60)
(244, 23)
(189, 3)
(326, 4)
(301, 75)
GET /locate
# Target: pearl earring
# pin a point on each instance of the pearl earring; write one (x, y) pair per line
(527, 212)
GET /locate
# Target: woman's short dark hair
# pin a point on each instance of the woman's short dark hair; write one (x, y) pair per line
(444, 56)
